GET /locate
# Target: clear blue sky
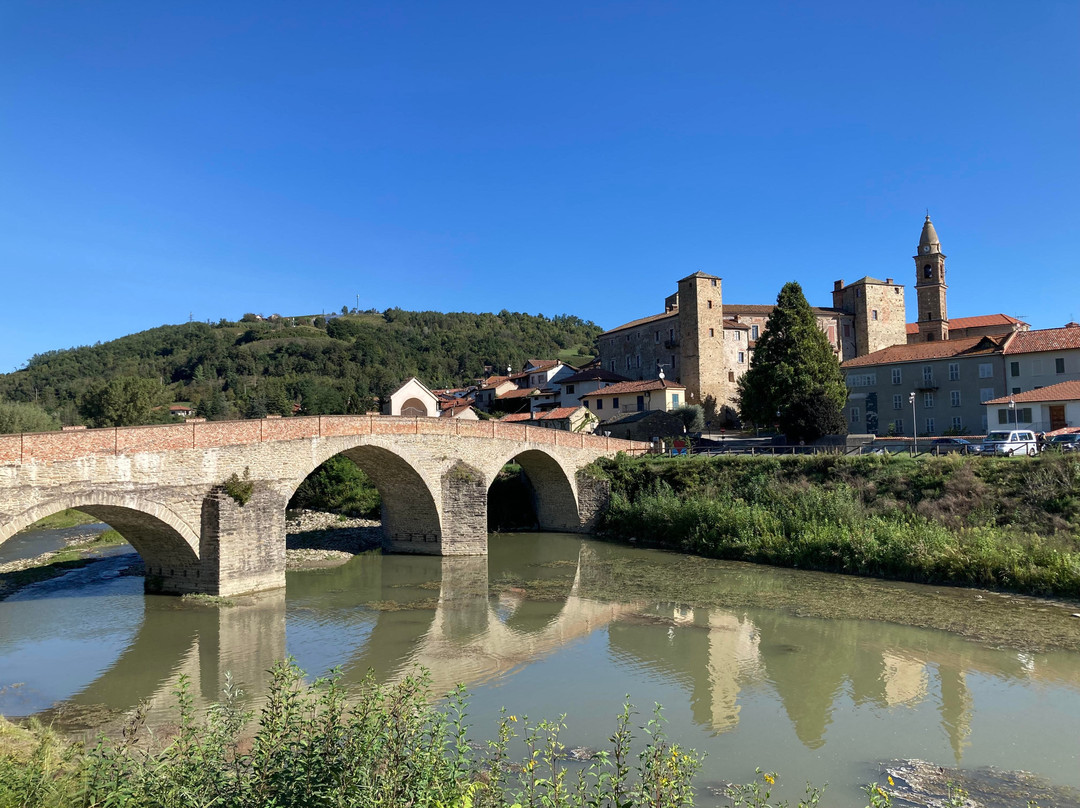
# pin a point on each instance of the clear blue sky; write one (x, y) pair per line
(161, 160)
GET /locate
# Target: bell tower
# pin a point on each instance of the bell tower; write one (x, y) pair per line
(933, 317)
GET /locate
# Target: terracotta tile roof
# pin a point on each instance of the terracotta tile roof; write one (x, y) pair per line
(593, 375)
(522, 392)
(456, 404)
(545, 415)
(541, 364)
(626, 388)
(1045, 339)
(735, 326)
(634, 323)
(922, 351)
(1063, 391)
(979, 321)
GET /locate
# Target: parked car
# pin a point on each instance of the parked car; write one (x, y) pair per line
(1069, 442)
(1010, 443)
(941, 446)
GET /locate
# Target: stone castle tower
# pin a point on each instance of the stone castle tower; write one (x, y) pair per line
(701, 342)
(877, 310)
(933, 317)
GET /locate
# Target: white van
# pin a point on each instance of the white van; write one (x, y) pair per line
(1010, 443)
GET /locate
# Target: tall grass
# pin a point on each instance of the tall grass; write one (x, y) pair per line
(976, 522)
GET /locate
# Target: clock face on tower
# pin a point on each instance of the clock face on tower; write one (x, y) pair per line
(926, 248)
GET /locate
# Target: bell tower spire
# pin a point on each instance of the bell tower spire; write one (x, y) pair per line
(930, 285)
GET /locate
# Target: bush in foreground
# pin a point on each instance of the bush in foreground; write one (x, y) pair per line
(318, 745)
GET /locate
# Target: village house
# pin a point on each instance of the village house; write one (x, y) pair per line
(590, 380)
(1045, 409)
(414, 400)
(567, 419)
(635, 396)
(1037, 359)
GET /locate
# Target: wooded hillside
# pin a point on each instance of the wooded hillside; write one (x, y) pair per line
(252, 368)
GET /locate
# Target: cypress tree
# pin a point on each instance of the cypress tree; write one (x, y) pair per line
(795, 373)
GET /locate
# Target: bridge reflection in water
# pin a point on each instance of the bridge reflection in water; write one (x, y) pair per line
(470, 621)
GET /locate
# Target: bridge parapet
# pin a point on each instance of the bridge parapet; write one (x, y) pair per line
(110, 441)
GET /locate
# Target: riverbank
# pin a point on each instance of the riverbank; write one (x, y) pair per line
(79, 551)
(994, 523)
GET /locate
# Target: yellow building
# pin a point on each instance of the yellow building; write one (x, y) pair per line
(643, 396)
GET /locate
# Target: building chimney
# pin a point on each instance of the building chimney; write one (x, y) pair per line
(888, 281)
(838, 285)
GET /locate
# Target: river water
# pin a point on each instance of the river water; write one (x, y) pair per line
(820, 677)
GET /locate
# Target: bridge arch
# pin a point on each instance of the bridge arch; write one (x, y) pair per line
(410, 512)
(162, 539)
(553, 485)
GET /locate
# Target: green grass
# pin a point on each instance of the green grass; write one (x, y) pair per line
(955, 520)
(61, 519)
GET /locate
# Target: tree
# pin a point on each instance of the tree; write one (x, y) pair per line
(125, 401)
(18, 416)
(794, 377)
(693, 416)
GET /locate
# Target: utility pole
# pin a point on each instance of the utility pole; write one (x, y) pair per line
(914, 426)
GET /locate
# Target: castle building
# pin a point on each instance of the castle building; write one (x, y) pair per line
(706, 345)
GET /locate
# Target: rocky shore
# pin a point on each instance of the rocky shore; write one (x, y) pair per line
(317, 539)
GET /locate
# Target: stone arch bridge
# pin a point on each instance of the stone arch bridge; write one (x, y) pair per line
(167, 489)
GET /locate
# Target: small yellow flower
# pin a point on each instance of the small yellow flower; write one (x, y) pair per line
(881, 791)
(770, 779)
(513, 718)
(891, 783)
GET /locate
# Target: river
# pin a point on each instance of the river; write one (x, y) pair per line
(822, 678)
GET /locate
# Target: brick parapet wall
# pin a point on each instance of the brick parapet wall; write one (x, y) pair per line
(112, 441)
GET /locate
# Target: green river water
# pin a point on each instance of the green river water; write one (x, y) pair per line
(820, 677)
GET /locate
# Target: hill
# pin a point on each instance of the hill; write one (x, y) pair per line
(253, 367)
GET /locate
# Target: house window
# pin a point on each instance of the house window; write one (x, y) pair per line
(985, 394)
(600, 404)
(657, 339)
(954, 398)
(858, 293)
(710, 304)
(1014, 368)
(614, 403)
(673, 361)
(897, 376)
(986, 370)
(897, 401)
(954, 371)
(873, 314)
(629, 362)
(731, 375)
(612, 365)
(929, 426)
(898, 426)
(742, 358)
(569, 388)
(847, 331)
(985, 423)
(711, 334)
(753, 332)
(928, 373)
(674, 399)
(1059, 365)
(928, 400)
(854, 415)
(671, 334)
(957, 424)
(738, 336)
(585, 401)
(639, 360)
(713, 281)
(1015, 390)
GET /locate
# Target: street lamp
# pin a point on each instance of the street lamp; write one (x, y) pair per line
(914, 425)
(1012, 406)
